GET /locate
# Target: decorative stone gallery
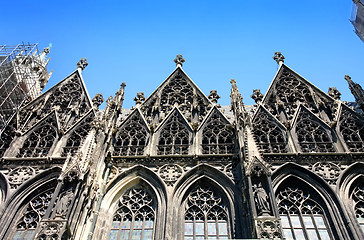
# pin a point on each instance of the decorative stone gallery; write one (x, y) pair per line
(177, 165)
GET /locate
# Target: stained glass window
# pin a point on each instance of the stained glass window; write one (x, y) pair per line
(301, 216)
(34, 212)
(134, 218)
(358, 198)
(206, 216)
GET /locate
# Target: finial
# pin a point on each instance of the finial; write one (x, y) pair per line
(334, 93)
(179, 60)
(257, 96)
(347, 78)
(213, 96)
(97, 100)
(139, 98)
(82, 64)
(278, 57)
(46, 50)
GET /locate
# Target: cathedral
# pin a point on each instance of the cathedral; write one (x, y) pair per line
(178, 165)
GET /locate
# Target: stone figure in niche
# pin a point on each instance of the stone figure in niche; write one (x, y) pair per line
(64, 203)
(261, 199)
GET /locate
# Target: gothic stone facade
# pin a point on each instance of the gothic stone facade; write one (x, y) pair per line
(180, 166)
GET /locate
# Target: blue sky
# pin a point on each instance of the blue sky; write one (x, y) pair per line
(136, 41)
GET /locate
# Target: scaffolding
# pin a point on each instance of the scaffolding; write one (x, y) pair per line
(23, 75)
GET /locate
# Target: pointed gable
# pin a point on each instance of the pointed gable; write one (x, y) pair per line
(41, 138)
(312, 134)
(174, 135)
(77, 134)
(217, 134)
(132, 136)
(269, 134)
(177, 90)
(351, 128)
(289, 89)
(69, 98)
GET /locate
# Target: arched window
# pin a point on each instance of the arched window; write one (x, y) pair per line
(268, 135)
(40, 141)
(217, 136)
(358, 198)
(312, 136)
(352, 130)
(77, 137)
(174, 137)
(135, 216)
(34, 212)
(206, 216)
(301, 216)
(132, 137)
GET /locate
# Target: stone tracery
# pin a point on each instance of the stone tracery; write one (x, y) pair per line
(34, 212)
(217, 136)
(352, 129)
(206, 216)
(312, 136)
(131, 138)
(135, 216)
(268, 135)
(174, 137)
(301, 216)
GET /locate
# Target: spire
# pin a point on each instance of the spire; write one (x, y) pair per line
(179, 60)
(357, 91)
(237, 105)
(279, 58)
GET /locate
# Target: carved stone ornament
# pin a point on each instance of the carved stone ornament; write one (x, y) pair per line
(268, 229)
(51, 230)
(257, 96)
(82, 64)
(213, 96)
(97, 100)
(64, 203)
(139, 98)
(261, 200)
(19, 175)
(328, 171)
(278, 57)
(179, 60)
(334, 93)
(170, 173)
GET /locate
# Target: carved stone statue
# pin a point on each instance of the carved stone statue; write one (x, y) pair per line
(261, 199)
(64, 203)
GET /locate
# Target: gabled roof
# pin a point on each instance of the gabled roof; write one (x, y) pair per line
(298, 77)
(302, 109)
(43, 105)
(213, 110)
(261, 108)
(176, 71)
(174, 111)
(133, 113)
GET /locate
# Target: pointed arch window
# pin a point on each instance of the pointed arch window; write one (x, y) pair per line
(352, 130)
(217, 136)
(174, 137)
(131, 139)
(77, 137)
(301, 216)
(269, 137)
(312, 136)
(40, 141)
(358, 199)
(206, 216)
(34, 212)
(135, 216)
